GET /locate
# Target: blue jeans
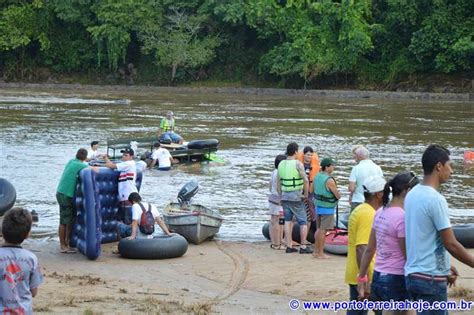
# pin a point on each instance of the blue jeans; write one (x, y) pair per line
(427, 290)
(124, 230)
(171, 136)
(386, 287)
(354, 296)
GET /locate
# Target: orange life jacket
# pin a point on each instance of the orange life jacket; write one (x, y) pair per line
(314, 165)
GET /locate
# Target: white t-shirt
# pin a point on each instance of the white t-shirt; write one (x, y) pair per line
(91, 154)
(360, 172)
(163, 156)
(141, 166)
(127, 177)
(137, 215)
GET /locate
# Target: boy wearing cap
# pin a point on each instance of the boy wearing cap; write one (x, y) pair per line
(360, 226)
(127, 177)
(166, 133)
(326, 196)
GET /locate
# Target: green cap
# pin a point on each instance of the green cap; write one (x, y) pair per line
(327, 161)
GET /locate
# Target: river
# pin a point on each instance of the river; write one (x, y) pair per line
(42, 129)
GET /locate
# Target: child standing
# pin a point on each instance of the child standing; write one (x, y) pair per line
(20, 273)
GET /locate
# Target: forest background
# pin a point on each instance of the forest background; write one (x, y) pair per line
(363, 44)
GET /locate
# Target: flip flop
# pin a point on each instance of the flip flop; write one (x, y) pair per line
(273, 246)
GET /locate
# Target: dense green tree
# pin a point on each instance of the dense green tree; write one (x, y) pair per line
(288, 42)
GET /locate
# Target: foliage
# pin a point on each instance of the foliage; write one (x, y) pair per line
(178, 43)
(295, 43)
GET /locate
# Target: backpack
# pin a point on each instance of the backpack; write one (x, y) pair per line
(147, 222)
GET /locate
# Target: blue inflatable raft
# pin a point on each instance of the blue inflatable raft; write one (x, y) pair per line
(96, 201)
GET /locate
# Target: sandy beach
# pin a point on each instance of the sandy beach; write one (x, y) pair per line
(214, 277)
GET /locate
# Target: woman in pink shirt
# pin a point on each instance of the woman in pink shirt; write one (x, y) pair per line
(388, 239)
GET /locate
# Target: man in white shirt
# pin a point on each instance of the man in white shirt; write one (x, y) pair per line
(92, 153)
(162, 156)
(365, 168)
(133, 230)
(126, 182)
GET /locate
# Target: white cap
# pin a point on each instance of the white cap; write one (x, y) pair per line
(374, 184)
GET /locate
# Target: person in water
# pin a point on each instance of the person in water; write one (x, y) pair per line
(162, 157)
(292, 186)
(275, 209)
(360, 225)
(93, 153)
(167, 132)
(428, 232)
(364, 169)
(326, 196)
(387, 238)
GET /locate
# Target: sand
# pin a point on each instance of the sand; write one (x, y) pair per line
(214, 277)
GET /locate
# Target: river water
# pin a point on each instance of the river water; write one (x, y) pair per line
(42, 129)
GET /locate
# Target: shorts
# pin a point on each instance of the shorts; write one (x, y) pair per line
(310, 209)
(170, 136)
(67, 211)
(274, 209)
(325, 221)
(124, 230)
(294, 208)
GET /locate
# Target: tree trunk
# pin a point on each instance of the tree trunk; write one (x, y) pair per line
(173, 71)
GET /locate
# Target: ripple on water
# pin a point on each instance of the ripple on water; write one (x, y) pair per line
(39, 138)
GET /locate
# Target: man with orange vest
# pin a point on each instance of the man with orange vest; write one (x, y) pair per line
(310, 160)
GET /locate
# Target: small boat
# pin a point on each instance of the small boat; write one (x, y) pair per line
(196, 223)
(336, 241)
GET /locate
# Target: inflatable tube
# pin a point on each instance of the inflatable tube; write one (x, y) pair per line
(295, 235)
(336, 242)
(344, 219)
(159, 247)
(203, 144)
(464, 234)
(96, 202)
(7, 196)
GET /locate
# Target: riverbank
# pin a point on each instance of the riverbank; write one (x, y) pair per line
(214, 277)
(330, 94)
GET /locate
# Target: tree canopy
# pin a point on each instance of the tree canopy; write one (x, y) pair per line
(287, 42)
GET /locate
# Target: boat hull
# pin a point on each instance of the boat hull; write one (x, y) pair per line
(196, 225)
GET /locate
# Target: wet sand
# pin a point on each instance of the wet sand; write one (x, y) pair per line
(214, 277)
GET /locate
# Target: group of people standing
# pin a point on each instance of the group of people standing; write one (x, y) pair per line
(302, 188)
(403, 223)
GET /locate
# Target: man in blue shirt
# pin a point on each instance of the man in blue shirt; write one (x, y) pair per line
(429, 236)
